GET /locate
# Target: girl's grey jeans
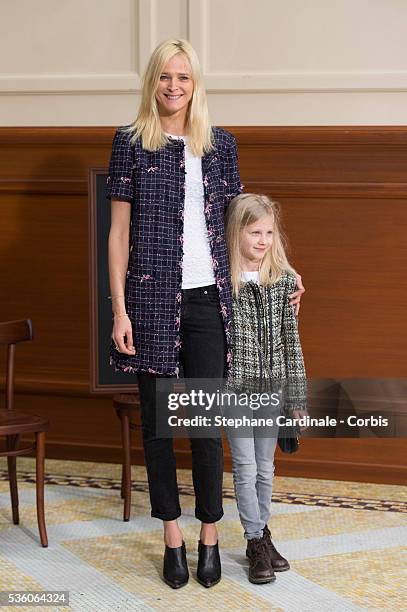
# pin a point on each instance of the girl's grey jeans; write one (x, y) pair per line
(253, 471)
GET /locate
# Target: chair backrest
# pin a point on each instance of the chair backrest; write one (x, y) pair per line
(12, 332)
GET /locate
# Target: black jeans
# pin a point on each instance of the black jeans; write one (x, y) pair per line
(202, 355)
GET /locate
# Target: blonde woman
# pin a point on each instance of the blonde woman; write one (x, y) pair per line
(266, 347)
(170, 180)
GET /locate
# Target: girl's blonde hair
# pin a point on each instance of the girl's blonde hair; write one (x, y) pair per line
(243, 210)
(147, 123)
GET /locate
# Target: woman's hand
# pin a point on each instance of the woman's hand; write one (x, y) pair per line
(295, 298)
(122, 335)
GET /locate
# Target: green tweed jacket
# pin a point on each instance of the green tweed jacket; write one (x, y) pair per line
(265, 312)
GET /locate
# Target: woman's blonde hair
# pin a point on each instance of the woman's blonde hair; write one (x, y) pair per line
(243, 210)
(147, 123)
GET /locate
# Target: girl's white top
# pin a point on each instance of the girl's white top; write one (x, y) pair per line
(197, 268)
(250, 276)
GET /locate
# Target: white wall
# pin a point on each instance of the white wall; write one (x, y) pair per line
(266, 62)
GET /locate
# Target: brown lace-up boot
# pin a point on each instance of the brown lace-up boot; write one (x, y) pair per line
(260, 569)
(277, 561)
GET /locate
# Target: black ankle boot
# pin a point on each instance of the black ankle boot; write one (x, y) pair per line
(209, 570)
(175, 571)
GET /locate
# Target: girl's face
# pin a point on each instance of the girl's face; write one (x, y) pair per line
(175, 87)
(255, 240)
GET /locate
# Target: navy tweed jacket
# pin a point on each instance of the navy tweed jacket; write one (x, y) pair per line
(154, 183)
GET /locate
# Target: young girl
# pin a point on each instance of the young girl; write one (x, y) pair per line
(265, 345)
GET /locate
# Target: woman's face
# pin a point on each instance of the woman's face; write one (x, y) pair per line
(175, 87)
(255, 240)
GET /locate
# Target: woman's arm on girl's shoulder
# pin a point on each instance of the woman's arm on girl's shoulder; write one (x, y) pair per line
(294, 360)
(295, 298)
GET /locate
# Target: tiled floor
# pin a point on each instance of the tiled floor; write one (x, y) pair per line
(344, 541)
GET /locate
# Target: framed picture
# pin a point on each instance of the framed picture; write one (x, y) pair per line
(103, 378)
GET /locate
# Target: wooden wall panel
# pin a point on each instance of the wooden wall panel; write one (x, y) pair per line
(352, 254)
(343, 192)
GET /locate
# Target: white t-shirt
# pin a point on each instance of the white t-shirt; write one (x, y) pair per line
(197, 268)
(250, 276)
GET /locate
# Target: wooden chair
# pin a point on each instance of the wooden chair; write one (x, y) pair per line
(14, 423)
(125, 405)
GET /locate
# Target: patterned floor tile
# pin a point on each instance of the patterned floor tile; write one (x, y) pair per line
(375, 581)
(343, 541)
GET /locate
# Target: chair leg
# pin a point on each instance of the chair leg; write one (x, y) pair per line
(118, 413)
(126, 468)
(39, 481)
(122, 485)
(12, 444)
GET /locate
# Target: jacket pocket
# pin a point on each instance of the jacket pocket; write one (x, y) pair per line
(140, 275)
